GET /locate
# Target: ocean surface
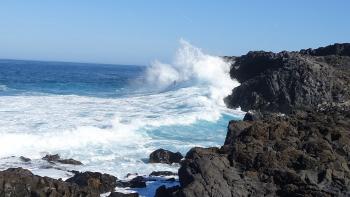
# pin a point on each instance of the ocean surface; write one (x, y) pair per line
(111, 117)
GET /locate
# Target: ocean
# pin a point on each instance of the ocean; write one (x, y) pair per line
(111, 117)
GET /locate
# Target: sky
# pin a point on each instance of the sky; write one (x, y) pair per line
(140, 31)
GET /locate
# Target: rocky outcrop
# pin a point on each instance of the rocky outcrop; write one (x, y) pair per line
(57, 158)
(94, 181)
(21, 182)
(295, 139)
(303, 154)
(24, 159)
(137, 182)
(119, 194)
(335, 49)
(281, 82)
(163, 173)
(165, 156)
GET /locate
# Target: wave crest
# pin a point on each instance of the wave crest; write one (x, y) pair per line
(192, 66)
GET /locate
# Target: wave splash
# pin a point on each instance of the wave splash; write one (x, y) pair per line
(191, 66)
(115, 134)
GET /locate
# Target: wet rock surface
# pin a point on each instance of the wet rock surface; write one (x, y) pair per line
(281, 82)
(295, 141)
(303, 154)
(137, 182)
(165, 156)
(24, 159)
(119, 194)
(94, 181)
(163, 173)
(21, 182)
(57, 158)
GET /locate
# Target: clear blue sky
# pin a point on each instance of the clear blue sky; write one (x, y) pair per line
(139, 31)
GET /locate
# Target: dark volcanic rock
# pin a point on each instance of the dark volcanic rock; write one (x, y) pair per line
(21, 182)
(281, 82)
(165, 156)
(94, 181)
(302, 154)
(162, 191)
(24, 159)
(137, 182)
(163, 173)
(335, 49)
(305, 152)
(253, 115)
(119, 194)
(51, 158)
(57, 158)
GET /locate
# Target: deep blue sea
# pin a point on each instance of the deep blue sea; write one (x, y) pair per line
(111, 117)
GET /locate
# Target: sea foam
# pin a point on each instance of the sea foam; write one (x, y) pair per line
(116, 134)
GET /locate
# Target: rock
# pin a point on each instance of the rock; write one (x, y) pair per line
(292, 155)
(57, 158)
(24, 159)
(163, 173)
(165, 156)
(282, 82)
(162, 191)
(295, 143)
(119, 194)
(335, 49)
(70, 161)
(137, 182)
(21, 182)
(95, 181)
(51, 158)
(252, 115)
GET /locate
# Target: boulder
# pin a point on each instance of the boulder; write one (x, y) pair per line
(119, 194)
(21, 182)
(137, 182)
(165, 156)
(163, 173)
(95, 181)
(162, 191)
(57, 158)
(24, 159)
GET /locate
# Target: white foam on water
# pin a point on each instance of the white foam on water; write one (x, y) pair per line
(111, 135)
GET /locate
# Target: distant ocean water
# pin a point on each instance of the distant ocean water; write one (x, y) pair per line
(111, 117)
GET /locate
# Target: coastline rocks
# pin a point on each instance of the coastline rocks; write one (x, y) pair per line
(21, 182)
(119, 194)
(137, 182)
(94, 181)
(162, 191)
(305, 153)
(57, 158)
(24, 159)
(163, 173)
(281, 82)
(335, 49)
(164, 156)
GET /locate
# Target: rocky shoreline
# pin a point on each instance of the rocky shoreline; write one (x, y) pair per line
(294, 141)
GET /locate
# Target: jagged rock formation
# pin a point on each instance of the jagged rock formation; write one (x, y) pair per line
(281, 82)
(303, 154)
(296, 144)
(164, 156)
(57, 158)
(95, 181)
(21, 182)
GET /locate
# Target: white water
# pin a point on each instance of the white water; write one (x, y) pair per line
(116, 135)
